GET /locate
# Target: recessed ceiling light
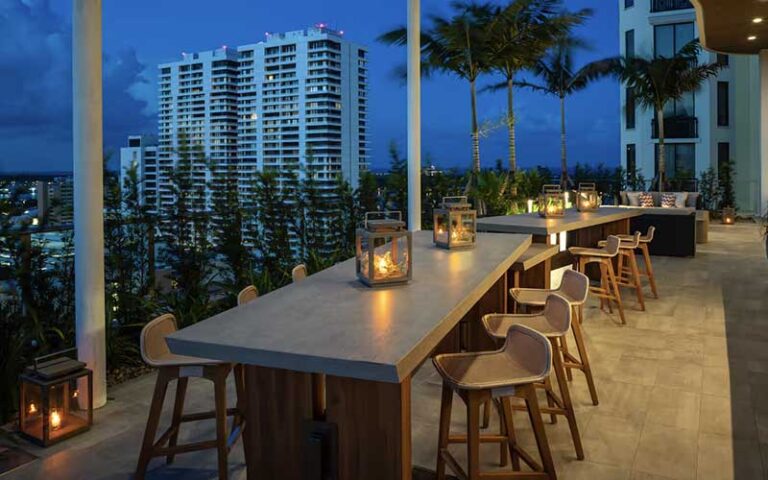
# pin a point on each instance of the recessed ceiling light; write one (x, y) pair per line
(752, 38)
(757, 20)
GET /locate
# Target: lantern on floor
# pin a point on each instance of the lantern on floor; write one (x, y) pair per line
(50, 405)
(551, 201)
(383, 249)
(455, 224)
(587, 198)
(729, 216)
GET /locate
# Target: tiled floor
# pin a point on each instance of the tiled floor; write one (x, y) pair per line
(683, 389)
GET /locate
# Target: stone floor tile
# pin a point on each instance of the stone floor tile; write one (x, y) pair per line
(667, 451)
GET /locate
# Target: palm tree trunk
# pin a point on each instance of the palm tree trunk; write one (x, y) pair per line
(563, 149)
(475, 129)
(511, 126)
(662, 173)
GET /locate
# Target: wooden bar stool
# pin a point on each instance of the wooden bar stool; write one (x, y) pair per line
(608, 291)
(628, 271)
(155, 353)
(247, 295)
(553, 322)
(574, 288)
(299, 273)
(512, 371)
(647, 270)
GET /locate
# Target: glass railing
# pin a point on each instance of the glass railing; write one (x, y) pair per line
(668, 5)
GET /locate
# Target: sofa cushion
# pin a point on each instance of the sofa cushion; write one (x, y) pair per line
(692, 200)
(634, 198)
(680, 199)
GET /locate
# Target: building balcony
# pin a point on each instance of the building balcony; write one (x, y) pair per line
(677, 127)
(669, 5)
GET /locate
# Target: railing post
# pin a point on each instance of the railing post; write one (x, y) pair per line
(414, 115)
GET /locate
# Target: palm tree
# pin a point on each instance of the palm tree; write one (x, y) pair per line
(520, 35)
(560, 79)
(458, 46)
(657, 81)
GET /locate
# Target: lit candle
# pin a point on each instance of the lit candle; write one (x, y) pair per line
(32, 409)
(55, 419)
(530, 205)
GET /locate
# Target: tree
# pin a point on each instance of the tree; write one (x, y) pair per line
(520, 34)
(458, 46)
(561, 79)
(657, 81)
(273, 228)
(229, 222)
(396, 183)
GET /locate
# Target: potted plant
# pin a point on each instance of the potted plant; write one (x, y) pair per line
(727, 192)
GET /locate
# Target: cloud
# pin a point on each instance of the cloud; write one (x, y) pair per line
(36, 81)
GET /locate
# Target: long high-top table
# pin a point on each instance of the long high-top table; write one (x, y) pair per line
(367, 342)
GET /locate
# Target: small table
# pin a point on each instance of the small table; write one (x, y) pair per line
(702, 226)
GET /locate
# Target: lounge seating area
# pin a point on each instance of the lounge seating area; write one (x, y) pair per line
(681, 391)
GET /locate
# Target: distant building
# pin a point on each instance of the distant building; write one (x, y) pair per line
(141, 154)
(55, 201)
(703, 129)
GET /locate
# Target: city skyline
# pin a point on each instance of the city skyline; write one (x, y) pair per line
(130, 73)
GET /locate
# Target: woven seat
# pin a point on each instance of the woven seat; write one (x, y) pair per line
(647, 238)
(537, 297)
(609, 250)
(626, 242)
(553, 321)
(155, 351)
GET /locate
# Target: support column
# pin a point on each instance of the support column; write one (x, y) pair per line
(414, 115)
(88, 191)
(763, 132)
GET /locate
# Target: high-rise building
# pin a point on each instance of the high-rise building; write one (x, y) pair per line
(55, 200)
(295, 104)
(141, 154)
(703, 129)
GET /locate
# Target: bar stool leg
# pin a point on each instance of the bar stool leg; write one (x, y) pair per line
(605, 281)
(178, 408)
(580, 345)
(486, 414)
(549, 394)
(220, 395)
(509, 427)
(649, 268)
(503, 460)
(564, 346)
(565, 396)
(473, 435)
(532, 404)
(616, 293)
(636, 279)
(445, 429)
(161, 386)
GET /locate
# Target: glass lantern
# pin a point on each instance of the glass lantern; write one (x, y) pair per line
(728, 216)
(587, 198)
(50, 407)
(455, 224)
(551, 201)
(383, 249)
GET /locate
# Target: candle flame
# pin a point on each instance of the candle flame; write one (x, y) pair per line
(55, 419)
(32, 408)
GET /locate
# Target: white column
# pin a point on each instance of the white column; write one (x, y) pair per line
(763, 132)
(414, 115)
(88, 192)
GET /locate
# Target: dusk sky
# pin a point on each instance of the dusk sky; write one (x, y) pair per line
(35, 78)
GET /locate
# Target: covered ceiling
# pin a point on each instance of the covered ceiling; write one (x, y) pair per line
(732, 26)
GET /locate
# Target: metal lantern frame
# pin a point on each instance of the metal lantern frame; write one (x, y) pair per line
(552, 201)
(49, 400)
(587, 198)
(387, 233)
(455, 224)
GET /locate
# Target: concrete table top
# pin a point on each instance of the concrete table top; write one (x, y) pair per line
(330, 323)
(536, 253)
(533, 224)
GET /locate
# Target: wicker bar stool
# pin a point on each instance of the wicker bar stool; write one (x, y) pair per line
(647, 270)
(608, 291)
(553, 322)
(574, 288)
(247, 295)
(299, 273)
(628, 271)
(155, 353)
(512, 371)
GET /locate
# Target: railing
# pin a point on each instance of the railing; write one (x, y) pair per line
(677, 127)
(669, 5)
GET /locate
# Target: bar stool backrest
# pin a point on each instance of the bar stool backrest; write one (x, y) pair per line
(530, 347)
(612, 248)
(247, 295)
(575, 286)
(648, 238)
(152, 342)
(558, 313)
(299, 273)
(632, 244)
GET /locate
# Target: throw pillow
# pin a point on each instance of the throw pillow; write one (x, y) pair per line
(668, 200)
(680, 199)
(646, 200)
(634, 198)
(692, 200)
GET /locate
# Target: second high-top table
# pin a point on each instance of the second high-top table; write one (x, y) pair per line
(367, 343)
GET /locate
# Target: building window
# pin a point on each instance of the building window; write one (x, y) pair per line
(723, 104)
(669, 39)
(723, 154)
(629, 43)
(629, 3)
(681, 108)
(630, 109)
(631, 160)
(723, 60)
(680, 159)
